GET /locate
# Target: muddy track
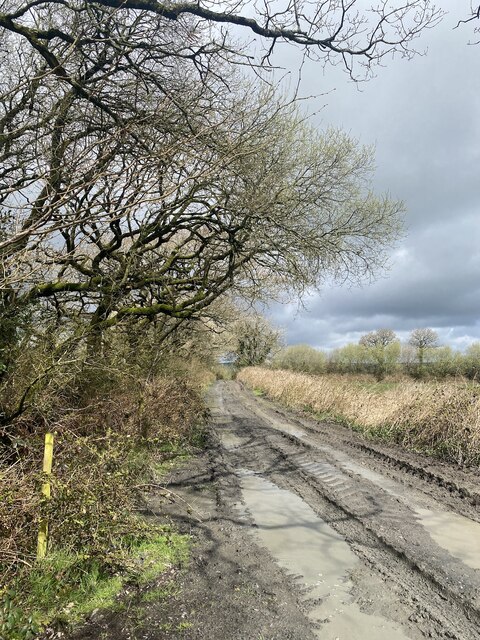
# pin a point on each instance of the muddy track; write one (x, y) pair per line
(462, 484)
(411, 522)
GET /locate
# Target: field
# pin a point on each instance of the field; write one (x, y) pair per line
(438, 418)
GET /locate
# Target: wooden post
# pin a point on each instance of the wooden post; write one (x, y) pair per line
(47, 470)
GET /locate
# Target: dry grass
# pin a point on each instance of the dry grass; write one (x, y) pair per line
(438, 418)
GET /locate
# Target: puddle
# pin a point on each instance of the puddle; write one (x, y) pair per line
(308, 547)
(456, 534)
(459, 535)
(230, 441)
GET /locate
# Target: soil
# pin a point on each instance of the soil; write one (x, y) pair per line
(306, 530)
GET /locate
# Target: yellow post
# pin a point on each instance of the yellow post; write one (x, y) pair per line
(47, 470)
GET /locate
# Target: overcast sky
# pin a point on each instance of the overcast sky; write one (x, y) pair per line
(423, 116)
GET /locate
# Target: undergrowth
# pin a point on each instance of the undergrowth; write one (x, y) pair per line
(441, 419)
(110, 441)
(68, 585)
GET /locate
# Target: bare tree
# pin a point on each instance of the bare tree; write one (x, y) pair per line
(171, 217)
(128, 188)
(423, 339)
(135, 188)
(142, 179)
(333, 30)
(474, 16)
(60, 57)
(379, 338)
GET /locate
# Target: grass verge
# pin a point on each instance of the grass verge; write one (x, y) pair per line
(441, 419)
(98, 544)
(67, 586)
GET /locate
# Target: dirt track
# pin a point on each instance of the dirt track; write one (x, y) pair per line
(305, 530)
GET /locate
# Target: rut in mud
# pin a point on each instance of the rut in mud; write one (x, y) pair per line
(385, 544)
(304, 530)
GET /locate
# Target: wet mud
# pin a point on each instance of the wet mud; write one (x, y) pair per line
(416, 546)
(303, 530)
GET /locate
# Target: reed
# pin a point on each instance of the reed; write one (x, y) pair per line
(438, 418)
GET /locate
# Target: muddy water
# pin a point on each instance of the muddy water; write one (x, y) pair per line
(459, 535)
(454, 533)
(308, 547)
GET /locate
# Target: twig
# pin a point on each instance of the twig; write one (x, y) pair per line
(175, 495)
(475, 16)
(15, 557)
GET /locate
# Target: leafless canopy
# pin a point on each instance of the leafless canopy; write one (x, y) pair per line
(141, 177)
(336, 30)
(423, 338)
(379, 338)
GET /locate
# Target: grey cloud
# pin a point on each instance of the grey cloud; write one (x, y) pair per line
(423, 118)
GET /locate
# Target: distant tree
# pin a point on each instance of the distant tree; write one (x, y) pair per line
(421, 340)
(471, 361)
(255, 340)
(379, 338)
(351, 358)
(302, 358)
(383, 350)
(408, 358)
(444, 361)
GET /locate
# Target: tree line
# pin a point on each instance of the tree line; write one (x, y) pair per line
(381, 353)
(145, 180)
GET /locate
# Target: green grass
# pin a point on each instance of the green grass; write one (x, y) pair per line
(153, 557)
(327, 416)
(67, 586)
(64, 586)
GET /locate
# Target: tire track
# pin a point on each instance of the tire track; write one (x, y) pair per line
(385, 519)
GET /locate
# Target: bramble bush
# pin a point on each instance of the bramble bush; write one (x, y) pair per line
(108, 431)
